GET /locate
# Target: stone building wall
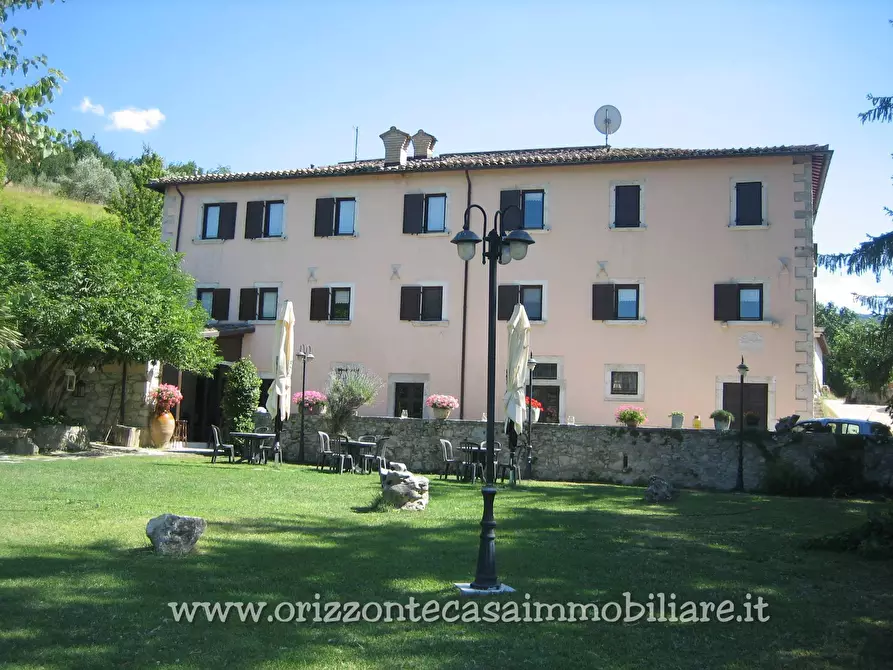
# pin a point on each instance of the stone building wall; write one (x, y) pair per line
(688, 458)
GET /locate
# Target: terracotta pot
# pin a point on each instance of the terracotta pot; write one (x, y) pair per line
(161, 428)
(632, 424)
(441, 412)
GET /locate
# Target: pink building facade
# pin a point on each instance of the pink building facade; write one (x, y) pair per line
(653, 273)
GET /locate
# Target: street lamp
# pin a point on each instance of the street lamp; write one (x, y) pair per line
(306, 355)
(500, 246)
(531, 366)
(739, 480)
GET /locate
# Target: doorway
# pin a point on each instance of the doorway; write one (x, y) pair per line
(756, 400)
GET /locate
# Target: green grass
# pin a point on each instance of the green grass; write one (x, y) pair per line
(14, 196)
(79, 589)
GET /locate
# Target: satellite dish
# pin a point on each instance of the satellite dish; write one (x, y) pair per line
(607, 120)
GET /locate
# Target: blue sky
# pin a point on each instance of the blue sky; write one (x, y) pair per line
(276, 84)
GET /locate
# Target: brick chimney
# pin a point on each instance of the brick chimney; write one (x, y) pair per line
(423, 144)
(396, 142)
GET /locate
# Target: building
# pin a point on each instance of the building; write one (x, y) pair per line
(653, 272)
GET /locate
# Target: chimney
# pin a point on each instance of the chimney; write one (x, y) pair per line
(423, 145)
(396, 142)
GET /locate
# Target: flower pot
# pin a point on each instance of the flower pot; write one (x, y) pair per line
(161, 428)
(441, 412)
(721, 424)
(535, 414)
(632, 424)
(314, 410)
(676, 420)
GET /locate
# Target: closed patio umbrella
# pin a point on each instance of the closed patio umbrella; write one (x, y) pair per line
(516, 373)
(279, 398)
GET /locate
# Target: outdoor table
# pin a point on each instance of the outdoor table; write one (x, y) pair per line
(252, 443)
(478, 454)
(354, 447)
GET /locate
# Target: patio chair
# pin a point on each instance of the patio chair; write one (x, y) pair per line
(449, 460)
(504, 466)
(216, 444)
(471, 465)
(181, 434)
(497, 449)
(342, 458)
(379, 458)
(324, 452)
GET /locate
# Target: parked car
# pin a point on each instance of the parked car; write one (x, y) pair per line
(843, 427)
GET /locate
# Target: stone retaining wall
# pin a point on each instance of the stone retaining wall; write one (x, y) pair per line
(689, 458)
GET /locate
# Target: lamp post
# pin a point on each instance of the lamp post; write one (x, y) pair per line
(739, 479)
(500, 246)
(531, 366)
(305, 353)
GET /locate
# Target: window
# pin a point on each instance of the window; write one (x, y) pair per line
(619, 302)
(215, 301)
(627, 206)
(548, 387)
(258, 304)
(264, 218)
(529, 295)
(219, 221)
(545, 371)
(624, 383)
(331, 303)
(523, 209)
(409, 396)
(421, 303)
(738, 302)
(424, 213)
(748, 200)
(435, 213)
(335, 216)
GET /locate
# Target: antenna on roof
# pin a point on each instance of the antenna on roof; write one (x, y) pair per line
(356, 141)
(607, 120)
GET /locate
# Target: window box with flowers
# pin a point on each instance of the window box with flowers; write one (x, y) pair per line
(162, 423)
(442, 405)
(630, 415)
(535, 407)
(313, 402)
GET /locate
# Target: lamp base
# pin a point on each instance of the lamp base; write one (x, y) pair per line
(466, 589)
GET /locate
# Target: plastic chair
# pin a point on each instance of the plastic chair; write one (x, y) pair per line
(341, 458)
(217, 445)
(449, 460)
(324, 452)
(379, 457)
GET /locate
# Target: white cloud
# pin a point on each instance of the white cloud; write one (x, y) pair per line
(88, 107)
(137, 120)
(839, 289)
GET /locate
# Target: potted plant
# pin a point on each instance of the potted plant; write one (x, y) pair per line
(751, 419)
(535, 408)
(631, 416)
(161, 425)
(314, 402)
(441, 405)
(677, 419)
(721, 419)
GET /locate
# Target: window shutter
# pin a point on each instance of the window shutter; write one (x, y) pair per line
(254, 220)
(248, 304)
(749, 199)
(410, 303)
(227, 220)
(725, 302)
(413, 211)
(325, 217)
(602, 302)
(511, 218)
(507, 296)
(626, 206)
(319, 304)
(220, 304)
(432, 303)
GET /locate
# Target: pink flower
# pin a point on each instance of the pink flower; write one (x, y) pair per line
(311, 399)
(165, 397)
(442, 402)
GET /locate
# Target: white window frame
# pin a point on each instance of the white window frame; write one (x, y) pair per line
(560, 382)
(353, 298)
(345, 195)
(735, 379)
(534, 282)
(613, 196)
(436, 190)
(625, 367)
(444, 304)
(733, 200)
(544, 187)
(276, 285)
(408, 378)
(767, 319)
(198, 239)
(266, 199)
(641, 321)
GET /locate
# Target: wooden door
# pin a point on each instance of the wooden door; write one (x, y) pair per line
(756, 400)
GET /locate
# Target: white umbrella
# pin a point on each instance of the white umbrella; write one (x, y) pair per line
(516, 367)
(279, 398)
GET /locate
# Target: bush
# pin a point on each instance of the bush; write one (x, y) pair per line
(241, 394)
(90, 181)
(347, 391)
(873, 539)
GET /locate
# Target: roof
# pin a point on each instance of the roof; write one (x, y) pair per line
(515, 158)
(822, 341)
(228, 329)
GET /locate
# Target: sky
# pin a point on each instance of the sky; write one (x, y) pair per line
(276, 84)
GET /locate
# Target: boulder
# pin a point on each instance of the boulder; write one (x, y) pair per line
(404, 490)
(17, 441)
(659, 490)
(61, 438)
(174, 535)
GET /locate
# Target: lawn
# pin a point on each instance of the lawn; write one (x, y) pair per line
(79, 589)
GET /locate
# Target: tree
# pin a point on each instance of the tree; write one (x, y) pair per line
(347, 391)
(856, 345)
(24, 133)
(137, 206)
(85, 293)
(241, 394)
(90, 181)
